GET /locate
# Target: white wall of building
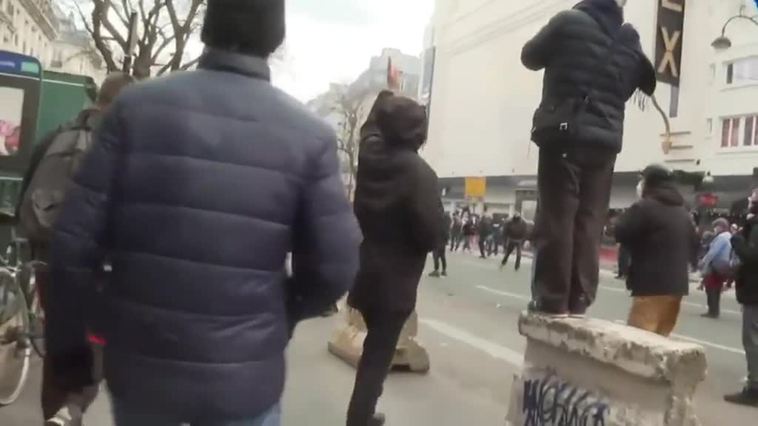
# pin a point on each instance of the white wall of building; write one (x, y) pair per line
(483, 99)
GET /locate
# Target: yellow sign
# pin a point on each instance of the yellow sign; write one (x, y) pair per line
(476, 187)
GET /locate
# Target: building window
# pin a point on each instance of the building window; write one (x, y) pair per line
(742, 71)
(730, 132)
(735, 134)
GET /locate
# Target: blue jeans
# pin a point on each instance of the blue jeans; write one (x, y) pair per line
(132, 416)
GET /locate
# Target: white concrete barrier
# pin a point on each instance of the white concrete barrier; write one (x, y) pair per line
(588, 372)
(347, 343)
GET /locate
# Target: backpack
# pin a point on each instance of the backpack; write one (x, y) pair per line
(51, 181)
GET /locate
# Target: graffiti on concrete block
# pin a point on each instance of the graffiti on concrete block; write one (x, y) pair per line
(550, 401)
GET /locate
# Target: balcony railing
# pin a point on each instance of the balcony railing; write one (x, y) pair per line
(42, 13)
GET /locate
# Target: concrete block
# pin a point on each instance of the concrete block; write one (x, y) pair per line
(347, 343)
(597, 373)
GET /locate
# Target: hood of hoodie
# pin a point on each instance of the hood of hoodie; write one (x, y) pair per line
(666, 194)
(606, 12)
(388, 156)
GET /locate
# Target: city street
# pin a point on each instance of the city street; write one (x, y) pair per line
(468, 324)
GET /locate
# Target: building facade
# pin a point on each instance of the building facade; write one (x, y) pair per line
(39, 28)
(482, 100)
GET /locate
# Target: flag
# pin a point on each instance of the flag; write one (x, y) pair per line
(393, 76)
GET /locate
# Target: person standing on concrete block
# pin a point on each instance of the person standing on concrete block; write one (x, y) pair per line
(662, 242)
(593, 64)
(746, 248)
(397, 202)
(716, 267)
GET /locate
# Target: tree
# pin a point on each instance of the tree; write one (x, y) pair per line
(164, 28)
(348, 139)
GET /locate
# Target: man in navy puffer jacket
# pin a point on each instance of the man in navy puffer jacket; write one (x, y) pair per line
(197, 187)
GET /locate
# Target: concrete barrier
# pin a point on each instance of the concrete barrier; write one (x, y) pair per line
(347, 343)
(588, 372)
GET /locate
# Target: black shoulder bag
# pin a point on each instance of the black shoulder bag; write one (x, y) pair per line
(556, 123)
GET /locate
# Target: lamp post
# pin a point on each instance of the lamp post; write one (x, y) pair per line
(723, 42)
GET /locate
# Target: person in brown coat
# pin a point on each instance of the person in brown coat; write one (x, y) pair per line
(397, 204)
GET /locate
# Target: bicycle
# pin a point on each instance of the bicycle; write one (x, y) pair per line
(21, 320)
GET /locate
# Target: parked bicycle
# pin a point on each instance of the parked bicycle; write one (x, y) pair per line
(21, 320)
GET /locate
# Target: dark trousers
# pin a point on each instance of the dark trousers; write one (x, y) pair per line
(54, 397)
(378, 350)
(713, 294)
(483, 251)
(455, 241)
(509, 248)
(440, 257)
(624, 261)
(574, 192)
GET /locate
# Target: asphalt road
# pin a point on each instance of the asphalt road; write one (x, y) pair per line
(468, 324)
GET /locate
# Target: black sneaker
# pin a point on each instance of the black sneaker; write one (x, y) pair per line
(748, 397)
(434, 274)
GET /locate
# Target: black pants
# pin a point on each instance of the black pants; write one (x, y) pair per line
(624, 261)
(378, 350)
(440, 256)
(483, 251)
(509, 248)
(455, 241)
(53, 396)
(714, 301)
(574, 192)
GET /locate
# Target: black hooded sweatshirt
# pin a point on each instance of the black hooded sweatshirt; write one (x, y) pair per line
(397, 202)
(661, 237)
(574, 51)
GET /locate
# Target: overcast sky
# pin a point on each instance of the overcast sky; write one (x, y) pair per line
(334, 40)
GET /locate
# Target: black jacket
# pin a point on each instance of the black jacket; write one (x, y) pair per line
(574, 49)
(745, 247)
(197, 186)
(662, 241)
(516, 230)
(398, 207)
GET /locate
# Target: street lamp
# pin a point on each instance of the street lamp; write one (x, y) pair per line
(723, 42)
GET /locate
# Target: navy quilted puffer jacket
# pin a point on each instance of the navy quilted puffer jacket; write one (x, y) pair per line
(196, 188)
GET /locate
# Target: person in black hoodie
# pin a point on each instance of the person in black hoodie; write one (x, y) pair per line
(662, 242)
(397, 202)
(745, 246)
(593, 64)
(439, 254)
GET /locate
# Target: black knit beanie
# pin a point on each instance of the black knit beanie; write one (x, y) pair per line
(253, 27)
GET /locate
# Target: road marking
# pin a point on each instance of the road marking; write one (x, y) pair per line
(504, 293)
(698, 341)
(723, 311)
(493, 349)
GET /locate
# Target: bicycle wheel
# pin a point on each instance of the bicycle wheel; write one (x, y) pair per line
(27, 279)
(15, 351)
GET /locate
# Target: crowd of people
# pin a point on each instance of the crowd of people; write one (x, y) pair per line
(174, 204)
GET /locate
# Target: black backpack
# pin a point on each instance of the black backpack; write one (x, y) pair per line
(51, 181)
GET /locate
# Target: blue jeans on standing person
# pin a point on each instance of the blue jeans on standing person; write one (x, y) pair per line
(132, 416)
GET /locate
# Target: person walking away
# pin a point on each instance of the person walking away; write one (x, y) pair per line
(745, 246)
(593, 64)
(662, 241)
(456, 232)
(516, 232)
(199, 307)
(54, 162)
(439, 254)
(497, 236)
(397, 204)
(485, 232)
(469, 230)
(716, 267)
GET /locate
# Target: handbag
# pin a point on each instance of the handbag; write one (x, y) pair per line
(556, 122)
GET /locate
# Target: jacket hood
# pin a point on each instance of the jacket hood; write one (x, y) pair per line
(666, 194)
(402, 122)
(606, 12)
